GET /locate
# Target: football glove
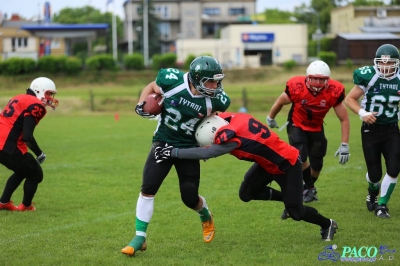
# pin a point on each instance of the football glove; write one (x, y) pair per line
(163, 153)
(343, 153)
(41, 158)
(271, 122)
(139, 110)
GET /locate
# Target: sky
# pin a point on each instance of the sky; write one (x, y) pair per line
(31, 8)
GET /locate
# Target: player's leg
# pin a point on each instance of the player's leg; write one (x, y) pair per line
(189, 180)
(298, 139)
(255, 185)
(291, 185)
(391, 153)
(11, 162)
(153, 176)
(317, 147)
(372, 148)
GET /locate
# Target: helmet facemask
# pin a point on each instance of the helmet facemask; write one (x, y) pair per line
(386, 66)
(210, 92)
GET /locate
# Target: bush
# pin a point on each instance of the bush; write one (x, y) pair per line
(156, 62)
(168, 60)
(28, 65)
(61, 63)
(134, 61)
(48, 63)
(101, 62)
(349, 63)
(73, 65)
(189, 60)
(12, 66)
(289, 65)
(328, 57)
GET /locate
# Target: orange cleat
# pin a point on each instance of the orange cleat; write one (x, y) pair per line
(208, 229)
(22, 208)
(130, 251)
(9, 206)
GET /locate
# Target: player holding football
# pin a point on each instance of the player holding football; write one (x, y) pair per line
(18, 121)
(188, 99)
(380, 86)
(311, 97)
(248, 139)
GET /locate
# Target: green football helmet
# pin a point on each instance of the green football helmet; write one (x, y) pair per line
(203, 69)
(385, 54)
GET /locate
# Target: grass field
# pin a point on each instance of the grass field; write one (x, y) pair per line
(92, 176)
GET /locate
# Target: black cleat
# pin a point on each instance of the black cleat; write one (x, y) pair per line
(372, 199)
(382, 211)
(285, 215)
(328, 234)
(309, 195)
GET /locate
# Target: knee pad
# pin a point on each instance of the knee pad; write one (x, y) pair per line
(189, 195)
(245, 193)
(316, 163)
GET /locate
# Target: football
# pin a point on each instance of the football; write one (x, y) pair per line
(154, 104)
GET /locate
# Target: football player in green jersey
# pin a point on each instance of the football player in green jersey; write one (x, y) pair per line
(380, 87)
(188, 99)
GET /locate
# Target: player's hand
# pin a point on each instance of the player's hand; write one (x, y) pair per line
(343, 153)
(41, 158)
(271, 122)
(139, 110)
(163, 153)
(367, 117)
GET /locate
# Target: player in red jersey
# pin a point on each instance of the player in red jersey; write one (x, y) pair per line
(246, 138)
(17, 124)
(312, 96)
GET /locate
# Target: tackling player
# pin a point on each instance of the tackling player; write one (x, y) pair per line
(188, 99)
(311, 97)
(248, 139)
(379, 84)
(18, 121)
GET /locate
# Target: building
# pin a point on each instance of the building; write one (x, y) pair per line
(180, 19)
(243, 46)
(367, 19)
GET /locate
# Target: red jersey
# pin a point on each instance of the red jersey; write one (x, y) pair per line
(12, 121)
(256, 143)
(308, 110)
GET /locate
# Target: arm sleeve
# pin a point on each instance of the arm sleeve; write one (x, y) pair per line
(204, 152)
(28, 128)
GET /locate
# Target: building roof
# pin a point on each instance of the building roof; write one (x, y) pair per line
(368, 36)
(380, 29)
(49, 30)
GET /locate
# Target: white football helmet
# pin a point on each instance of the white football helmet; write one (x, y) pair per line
(205, 132)
(318, 74)
(45, 89)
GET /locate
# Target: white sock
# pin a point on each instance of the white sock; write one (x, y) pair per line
(144, 208)
(387, 180)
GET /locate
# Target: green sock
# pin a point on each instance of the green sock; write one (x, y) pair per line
(373, 186)
(204, 214)
(137, 242)
(141, 226)
(383, 200)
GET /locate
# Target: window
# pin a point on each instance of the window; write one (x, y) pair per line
(19, 42)
(162, 11)
(165, 30)
(237, 11)
(55, 43)
(212, 11)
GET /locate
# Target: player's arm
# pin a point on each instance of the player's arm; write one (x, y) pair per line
(168, 152)
(341, 113)
(28, 128)
(204, 152)
(152, 87)
(282, 100)
(351, 101)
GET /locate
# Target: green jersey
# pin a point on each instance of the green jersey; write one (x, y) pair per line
(380, 95)
(183, 111)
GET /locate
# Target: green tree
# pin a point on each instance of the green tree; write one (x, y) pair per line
(276, 16)
(154, 34)
(85, 15)
(368, 3)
